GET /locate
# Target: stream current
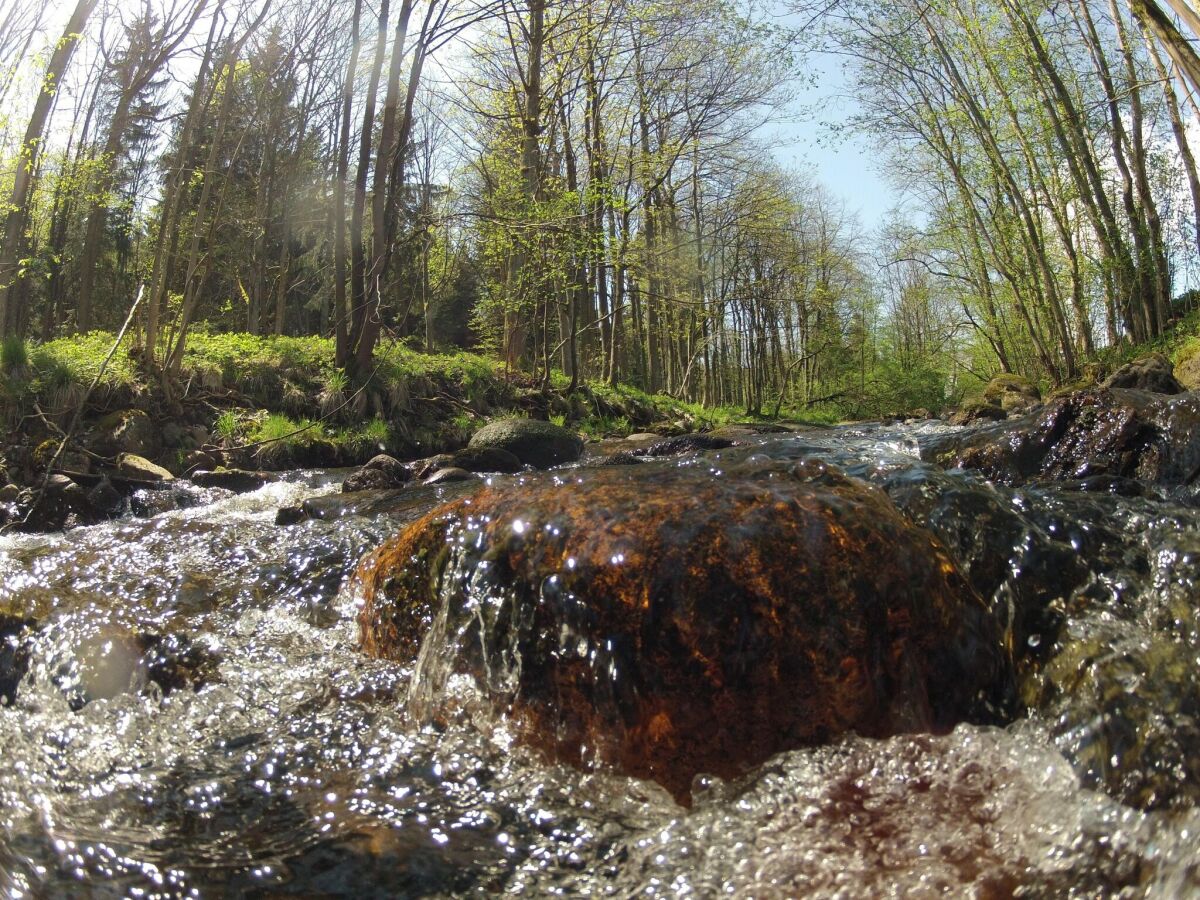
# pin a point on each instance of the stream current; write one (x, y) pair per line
(291, 768)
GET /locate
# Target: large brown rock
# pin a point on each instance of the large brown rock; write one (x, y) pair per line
(671, 622)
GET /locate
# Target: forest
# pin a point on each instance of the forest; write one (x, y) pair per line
(588, 190)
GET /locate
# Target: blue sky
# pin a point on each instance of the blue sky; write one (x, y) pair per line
(845, 164)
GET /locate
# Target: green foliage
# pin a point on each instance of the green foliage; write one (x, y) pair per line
(605, 426)
(375, 436)
(1177, 343)
(278, 428)
(78, 360)
(14, 354)
(228, 425)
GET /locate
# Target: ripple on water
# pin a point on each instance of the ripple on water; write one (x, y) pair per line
(294, 769)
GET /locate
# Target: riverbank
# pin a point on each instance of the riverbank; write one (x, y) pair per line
(268, 404)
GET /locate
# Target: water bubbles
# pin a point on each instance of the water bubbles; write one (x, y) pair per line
(299, 764)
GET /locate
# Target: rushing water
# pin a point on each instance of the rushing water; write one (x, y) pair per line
(282, 762)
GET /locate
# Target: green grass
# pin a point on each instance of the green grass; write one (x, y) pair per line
(78, 360)
(1181, 341)
(407, 402)
(14, 354)
(228, 425)
(278, 428)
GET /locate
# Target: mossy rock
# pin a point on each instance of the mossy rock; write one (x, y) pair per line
(125, 431)
(978, 410)
(133, 466)
(1012, 393)
(1187, 365)
(1073, 387)
(534, 442)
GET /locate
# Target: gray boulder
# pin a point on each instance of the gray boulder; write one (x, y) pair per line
(533, 442)
(127, 431)
(1146, 373)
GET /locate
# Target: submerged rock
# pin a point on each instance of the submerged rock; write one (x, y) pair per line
(113, 661)
(1117, 432)
(175, 662)
(688, 443)
(533, 442)
(378, 473)
(14, 654)
(1146, 373)
(239, 481)
(671, 623)
(1125, 710)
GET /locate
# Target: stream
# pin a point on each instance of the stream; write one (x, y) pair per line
(197, 720)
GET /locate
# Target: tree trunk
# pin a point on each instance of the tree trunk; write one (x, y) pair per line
(23, 179)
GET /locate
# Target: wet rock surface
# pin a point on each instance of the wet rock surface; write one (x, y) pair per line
(449, 474)
(1114, 432)
(675, 623)
(380, 472)
(300, 766)
(236, 480)
(688, 443)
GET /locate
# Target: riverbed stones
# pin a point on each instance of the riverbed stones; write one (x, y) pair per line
(532, 441)
(1146, 373)
(379, 473)
(669, 623)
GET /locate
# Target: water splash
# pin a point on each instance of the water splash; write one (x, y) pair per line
(296, 767)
